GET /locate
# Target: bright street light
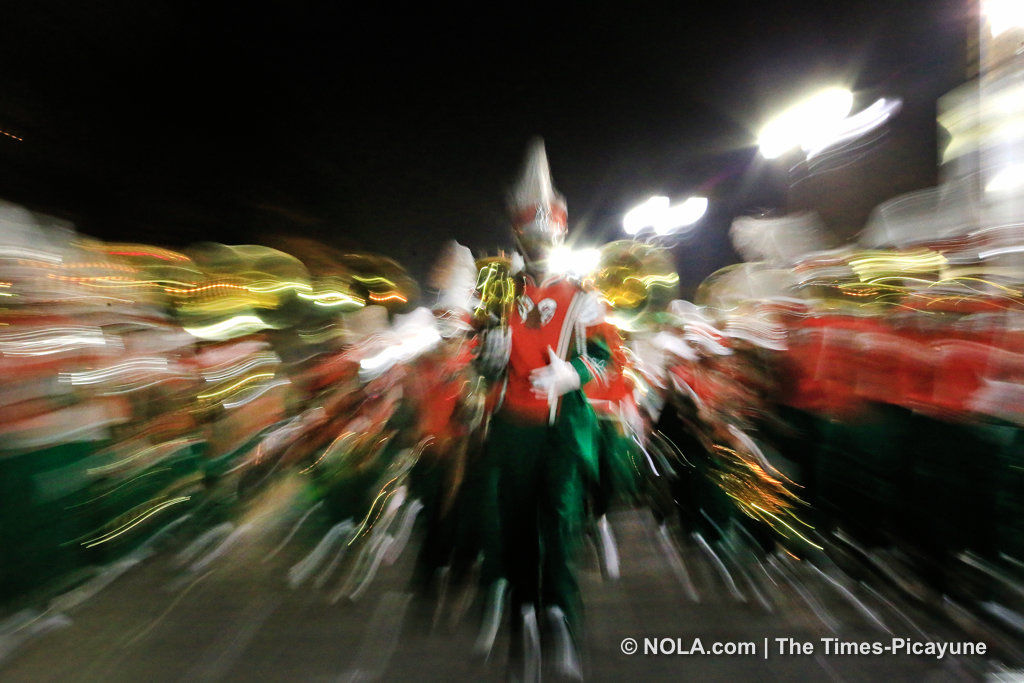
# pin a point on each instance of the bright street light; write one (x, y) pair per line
(644, 215)
(681, 215)
(658, 214)
(807, 124)
(1003, 15)
(853, 126)
(575, 262)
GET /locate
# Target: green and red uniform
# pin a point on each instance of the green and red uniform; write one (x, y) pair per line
(537, 450)
(617, 471)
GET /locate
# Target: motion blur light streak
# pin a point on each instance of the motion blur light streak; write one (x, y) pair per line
(52, 341)
(256, 392)
(270, 286)
(239, 383)
(872, 266)
(257, 360)
(1007, 180)
(135, 522)
(412, 343)
(147, 251)
(168, 446)
(386, 297)
(129, 367)
(196, 289)
(649, 280)
(241, 324)
(852, 127)
(1001, 251)
(334, 298)
(8, 251)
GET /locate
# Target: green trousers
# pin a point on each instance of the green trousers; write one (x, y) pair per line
(537, 485)
(618, 468)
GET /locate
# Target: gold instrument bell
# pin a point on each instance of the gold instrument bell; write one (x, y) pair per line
(495, 289)
(635, 279)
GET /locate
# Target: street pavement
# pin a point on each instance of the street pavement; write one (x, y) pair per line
(238, 604)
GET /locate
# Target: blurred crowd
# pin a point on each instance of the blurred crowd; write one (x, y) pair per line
(851, 403)
(143, 386)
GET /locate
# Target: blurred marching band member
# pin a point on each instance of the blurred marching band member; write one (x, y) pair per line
(441, 387)
(619, 422)
(543, 435)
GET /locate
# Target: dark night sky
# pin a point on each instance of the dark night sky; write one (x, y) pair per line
(380, 129)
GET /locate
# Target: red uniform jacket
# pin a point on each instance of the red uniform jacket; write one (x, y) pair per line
(558, 314)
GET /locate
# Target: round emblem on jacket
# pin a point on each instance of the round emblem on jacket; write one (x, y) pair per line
(547, 310)
(525, 306)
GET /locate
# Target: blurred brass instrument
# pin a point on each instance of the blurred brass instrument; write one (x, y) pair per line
(636, 280)
(496, 291)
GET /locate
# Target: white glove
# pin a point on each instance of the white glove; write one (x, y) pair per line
(555, 379)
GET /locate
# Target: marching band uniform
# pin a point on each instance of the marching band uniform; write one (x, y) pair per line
(543, 432)
(619, 420)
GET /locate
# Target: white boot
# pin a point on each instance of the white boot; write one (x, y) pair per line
(531, 645)
(567, 659)
(493, 610)
(609, 549)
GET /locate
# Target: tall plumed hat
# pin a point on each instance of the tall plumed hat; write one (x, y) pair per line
(538, 210)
